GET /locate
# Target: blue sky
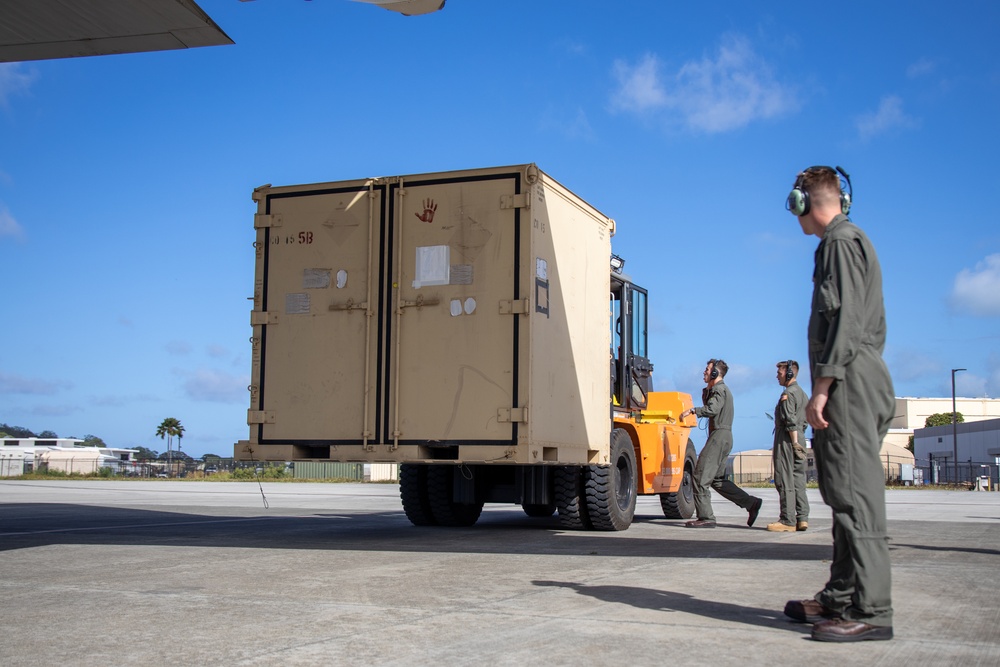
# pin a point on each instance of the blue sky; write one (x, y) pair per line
(126, 222)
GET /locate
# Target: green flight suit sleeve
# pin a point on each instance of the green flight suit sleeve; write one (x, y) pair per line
(789, 411)
(842, 265)
(713, 405)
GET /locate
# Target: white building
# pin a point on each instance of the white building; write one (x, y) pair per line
(912, 414)
(21, 455)
(978, 444)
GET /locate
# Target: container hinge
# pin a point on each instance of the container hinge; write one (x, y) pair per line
(260, 417)
(262, 317)
(262, 220)
(506, 415)
(515, 201)
(514, 307)
(258, 192)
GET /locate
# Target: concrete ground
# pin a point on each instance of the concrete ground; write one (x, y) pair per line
(199, 573)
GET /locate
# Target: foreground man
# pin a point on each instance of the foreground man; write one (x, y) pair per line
(851, 406)
(789, 452)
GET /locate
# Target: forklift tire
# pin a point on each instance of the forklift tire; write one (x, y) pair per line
(413, 493)
(611, 489)
(571, 498)
(444, 509)
(680, 505)
(539, 510)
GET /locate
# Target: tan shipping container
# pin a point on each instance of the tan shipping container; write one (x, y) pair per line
(458, 316)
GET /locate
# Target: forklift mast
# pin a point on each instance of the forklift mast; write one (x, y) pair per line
(631, 370)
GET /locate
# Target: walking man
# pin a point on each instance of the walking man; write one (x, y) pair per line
(710, 471)
(789, 453)
(851, 406)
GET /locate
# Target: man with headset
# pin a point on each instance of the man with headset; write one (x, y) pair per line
(710, 471)
(850, 410)
(789, 453)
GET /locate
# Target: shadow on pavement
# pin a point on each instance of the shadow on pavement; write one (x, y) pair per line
(655, 600)
(29, 525)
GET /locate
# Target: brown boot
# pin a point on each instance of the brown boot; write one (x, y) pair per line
(778, 527)
(809, 611)
(802, 525)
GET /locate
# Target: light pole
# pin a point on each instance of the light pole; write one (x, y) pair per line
(954, 423)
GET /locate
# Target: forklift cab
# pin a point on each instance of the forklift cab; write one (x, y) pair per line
(631, 370)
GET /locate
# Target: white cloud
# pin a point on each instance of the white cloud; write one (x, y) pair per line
(217, 386)
(977, 291)
(889, 116)
(14, 78)
(715, 94)
(920, 68)
(640, 87)
(8, 225)
(217, 351)
(909, 365)
(17, 384)
(178, 347)
(572, 124)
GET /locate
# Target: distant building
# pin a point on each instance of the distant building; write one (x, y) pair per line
(21, 455)
(978, 445)
(756, 465)
(912, 414)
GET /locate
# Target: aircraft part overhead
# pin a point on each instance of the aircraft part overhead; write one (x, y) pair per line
(44, 29)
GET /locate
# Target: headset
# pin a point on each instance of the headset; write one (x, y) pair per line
(798, 199)
(714, 373)
(789, 373)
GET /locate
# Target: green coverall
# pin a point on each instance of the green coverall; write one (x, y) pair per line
(710, 471)
(790, 460)
(846, 339)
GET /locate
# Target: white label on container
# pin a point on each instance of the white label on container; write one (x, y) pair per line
(297, 303)
(433, 265)
(470, 306)
(541, 268)
(456, 307)
(341, 279)
(315, 278)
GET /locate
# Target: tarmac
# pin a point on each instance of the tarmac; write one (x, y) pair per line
(202, 573)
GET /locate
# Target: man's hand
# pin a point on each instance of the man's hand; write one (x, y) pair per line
(814, 409)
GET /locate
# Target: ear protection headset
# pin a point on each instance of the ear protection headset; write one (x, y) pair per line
(789, 373)
(798, 199)
(714, 373)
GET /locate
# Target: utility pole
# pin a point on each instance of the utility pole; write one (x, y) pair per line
(954, 422)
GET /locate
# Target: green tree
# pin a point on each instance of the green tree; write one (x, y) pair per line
(943, 419)
(93, 441)
(48, 435)
(170, 428)
(143, 453)
(16, 431)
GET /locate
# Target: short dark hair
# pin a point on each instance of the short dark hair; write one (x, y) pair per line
(720, 366)
(822, 183)
(789, 362)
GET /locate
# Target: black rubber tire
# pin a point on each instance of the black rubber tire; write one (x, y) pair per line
(571, 498)
(413, 493)
(447, 512)
(680, 505)
(539, 510)
(611, 489)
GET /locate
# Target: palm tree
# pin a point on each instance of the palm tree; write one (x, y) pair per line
(169, 428)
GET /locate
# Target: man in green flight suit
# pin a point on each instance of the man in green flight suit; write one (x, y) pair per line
(850, 411)
(710, 471)
(789, 453)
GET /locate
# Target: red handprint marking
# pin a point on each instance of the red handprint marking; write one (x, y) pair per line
(428, 214)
